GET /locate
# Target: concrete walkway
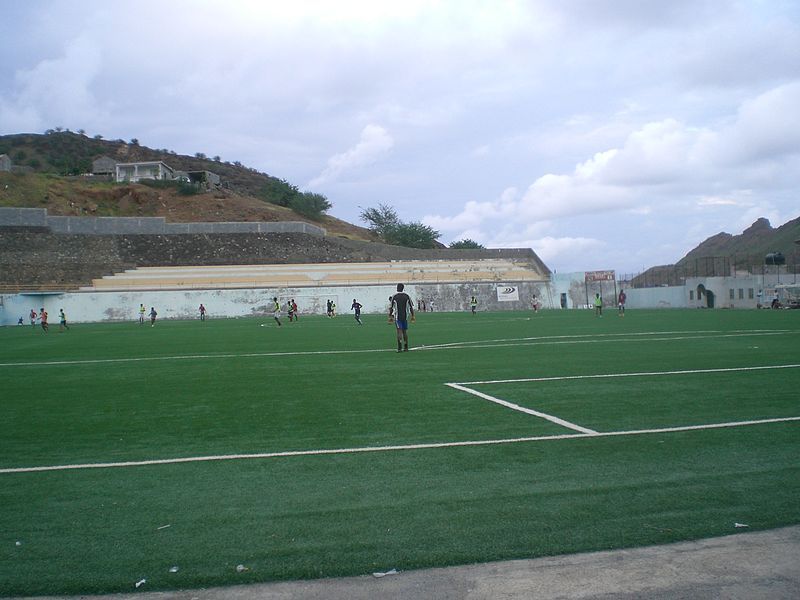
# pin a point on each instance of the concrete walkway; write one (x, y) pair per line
(746, 566)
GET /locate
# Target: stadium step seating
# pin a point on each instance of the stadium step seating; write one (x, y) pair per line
(318, 274)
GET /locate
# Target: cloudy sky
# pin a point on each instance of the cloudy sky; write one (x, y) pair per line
(604, 134)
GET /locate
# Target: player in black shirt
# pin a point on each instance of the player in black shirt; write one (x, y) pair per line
(356, 306)
(400, 310)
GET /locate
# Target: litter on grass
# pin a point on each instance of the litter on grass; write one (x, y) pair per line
(18, 544)
(173, 569)
(140, 583)
(740, 525)
(163, 526)
(241, 568)
(392, 572)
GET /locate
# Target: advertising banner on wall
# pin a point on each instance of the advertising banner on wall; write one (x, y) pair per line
(599, 276)
(507, 293)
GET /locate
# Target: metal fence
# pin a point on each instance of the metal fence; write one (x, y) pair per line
(714, 266)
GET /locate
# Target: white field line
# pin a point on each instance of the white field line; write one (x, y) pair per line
(640, 374)
(454, 346)
(523, 342)
(582, 337)
(268, 455)
(92, 361)
(519, 408)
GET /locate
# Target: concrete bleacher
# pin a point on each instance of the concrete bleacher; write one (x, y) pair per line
(318, 274)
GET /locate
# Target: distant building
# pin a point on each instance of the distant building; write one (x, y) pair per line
(5, 162)
(205, 179)
(133, 172)
(104, 166)
(202, 179)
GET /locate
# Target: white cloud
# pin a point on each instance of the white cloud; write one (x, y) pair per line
(374, 144)
(55, 91)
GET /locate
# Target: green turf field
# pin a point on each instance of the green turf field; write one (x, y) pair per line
(333, 455)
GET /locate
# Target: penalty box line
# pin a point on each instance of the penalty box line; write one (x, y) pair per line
(462, 387)
(339, 451)
(517, 407)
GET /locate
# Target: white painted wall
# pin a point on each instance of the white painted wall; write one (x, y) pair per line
(178, 304)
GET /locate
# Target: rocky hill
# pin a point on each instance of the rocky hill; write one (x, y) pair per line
(723, 253)
(50, 171)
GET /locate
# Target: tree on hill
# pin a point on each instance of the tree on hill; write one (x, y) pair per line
(466, 244)
(384, 222)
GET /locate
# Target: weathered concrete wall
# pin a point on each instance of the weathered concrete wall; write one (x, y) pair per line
(38, 217)
(35, 256)
(123, 306)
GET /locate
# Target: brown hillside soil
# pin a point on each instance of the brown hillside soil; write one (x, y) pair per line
(76, 197)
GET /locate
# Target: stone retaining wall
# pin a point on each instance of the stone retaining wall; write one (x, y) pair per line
(38, 217)
(37, 256)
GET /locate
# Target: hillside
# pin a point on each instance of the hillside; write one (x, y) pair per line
(755, 243)
(51, 177)
(723, 253)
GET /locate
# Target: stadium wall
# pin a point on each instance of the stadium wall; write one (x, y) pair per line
(31, 256)
(38, 217)
(237, 303)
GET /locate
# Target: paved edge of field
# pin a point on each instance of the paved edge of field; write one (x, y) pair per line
(747, 565)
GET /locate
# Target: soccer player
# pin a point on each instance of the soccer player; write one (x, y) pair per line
(142, 310)
(276, 311)
(401, 307)
(33, 318)
(43, 319)
(294, 310)
(356, 306)
(290, 309)
(598, 305)
(473, 304)
(153, 315)
(328, 310)
(63, 321)
(621, 303)
(202, 312)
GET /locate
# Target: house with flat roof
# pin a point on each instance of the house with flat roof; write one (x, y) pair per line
(134, 172)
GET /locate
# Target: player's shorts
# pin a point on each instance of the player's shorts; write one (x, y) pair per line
(401, 324)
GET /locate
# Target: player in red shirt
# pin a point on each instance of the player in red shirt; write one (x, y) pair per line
(43, 317)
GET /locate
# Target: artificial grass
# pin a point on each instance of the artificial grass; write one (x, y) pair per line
(101, 530)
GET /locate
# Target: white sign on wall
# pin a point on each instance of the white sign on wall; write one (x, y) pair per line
(507, 293)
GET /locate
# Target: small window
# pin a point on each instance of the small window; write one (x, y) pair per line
(691, 294)
(733, 294)
(741, 293)
(750, 293)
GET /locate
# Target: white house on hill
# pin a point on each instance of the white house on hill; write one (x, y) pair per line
(133, 172)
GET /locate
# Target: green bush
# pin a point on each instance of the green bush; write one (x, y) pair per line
(310, 205)
(278, 191)
(466, 244)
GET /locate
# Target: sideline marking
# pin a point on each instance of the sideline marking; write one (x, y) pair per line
(568, 436)
(529, 411)
(528, 341)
